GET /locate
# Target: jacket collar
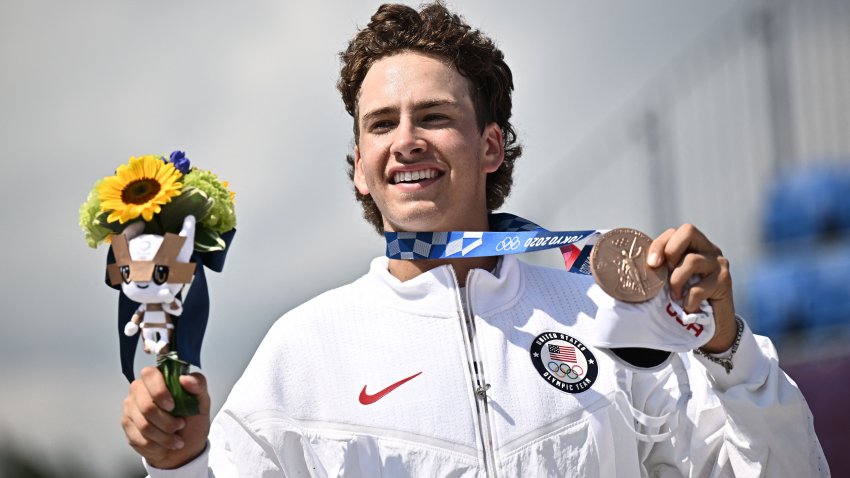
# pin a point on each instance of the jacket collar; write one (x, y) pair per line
(435, 292)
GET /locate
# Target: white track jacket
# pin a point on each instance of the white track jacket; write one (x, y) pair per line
(382, 378)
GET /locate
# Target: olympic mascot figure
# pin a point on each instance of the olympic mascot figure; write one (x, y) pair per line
(166, 221)
(153, 270)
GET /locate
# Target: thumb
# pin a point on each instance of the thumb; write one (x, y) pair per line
(196, 384)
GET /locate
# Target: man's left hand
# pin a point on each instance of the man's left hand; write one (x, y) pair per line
(688, 253)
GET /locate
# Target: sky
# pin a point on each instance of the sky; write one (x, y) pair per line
(247, 90)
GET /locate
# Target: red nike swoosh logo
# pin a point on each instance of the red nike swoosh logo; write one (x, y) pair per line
(367, 399)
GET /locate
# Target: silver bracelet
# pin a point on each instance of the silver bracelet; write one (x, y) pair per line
(726, 362)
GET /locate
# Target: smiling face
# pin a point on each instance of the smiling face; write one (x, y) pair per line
(420, 153)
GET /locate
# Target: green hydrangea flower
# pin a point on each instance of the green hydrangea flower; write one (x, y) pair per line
(89, 222)
(222, 216)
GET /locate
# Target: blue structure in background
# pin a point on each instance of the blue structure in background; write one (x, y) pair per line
(803, 282)
(808, 205)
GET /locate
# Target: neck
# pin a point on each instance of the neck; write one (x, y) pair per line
(404, 270)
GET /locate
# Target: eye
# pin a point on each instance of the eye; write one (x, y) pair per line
(381, 126)
(125, 274)
(434, 117)
(160, 274)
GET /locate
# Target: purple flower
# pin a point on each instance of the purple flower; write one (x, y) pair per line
(180, 161)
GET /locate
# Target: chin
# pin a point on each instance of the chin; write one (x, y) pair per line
(421, 220)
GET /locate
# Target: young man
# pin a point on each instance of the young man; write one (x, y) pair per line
(427, 367)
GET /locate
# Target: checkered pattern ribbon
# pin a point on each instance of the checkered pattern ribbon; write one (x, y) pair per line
(508, 234)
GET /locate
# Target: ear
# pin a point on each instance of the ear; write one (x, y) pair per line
(492, 148)
(359, 175)
(188, 231)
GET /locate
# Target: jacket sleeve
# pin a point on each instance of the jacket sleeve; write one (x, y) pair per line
(750, 422)
(197, 468)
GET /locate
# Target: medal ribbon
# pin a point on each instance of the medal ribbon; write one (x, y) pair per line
(509, 234)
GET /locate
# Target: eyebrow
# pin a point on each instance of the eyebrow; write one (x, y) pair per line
(421, 105)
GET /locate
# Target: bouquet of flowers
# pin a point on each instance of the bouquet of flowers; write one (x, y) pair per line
(163, 218)
(160, 192)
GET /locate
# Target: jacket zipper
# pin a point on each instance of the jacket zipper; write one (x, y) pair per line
(476, 371)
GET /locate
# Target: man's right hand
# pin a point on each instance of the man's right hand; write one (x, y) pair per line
(164, 440)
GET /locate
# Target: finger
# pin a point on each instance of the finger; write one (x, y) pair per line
(143, 446)
(656, 249)
(142, 433)
(687, 238)
(155, 385)
(144, 404)
(196, 384)
(146, 436)
(724, 277)
(692, 265)
(700, 291)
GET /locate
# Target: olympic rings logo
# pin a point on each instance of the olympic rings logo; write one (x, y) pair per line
(564, 370)
(508, 244)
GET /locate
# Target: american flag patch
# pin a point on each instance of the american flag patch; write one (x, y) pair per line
(564, 353)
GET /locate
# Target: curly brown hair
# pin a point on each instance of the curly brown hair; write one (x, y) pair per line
(435, 31)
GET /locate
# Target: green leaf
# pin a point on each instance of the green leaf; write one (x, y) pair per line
(116, 227)
(154, 227)
(190, 201)
(207, 240)
(185, 404)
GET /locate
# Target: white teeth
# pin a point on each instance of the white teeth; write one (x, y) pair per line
(407, 176)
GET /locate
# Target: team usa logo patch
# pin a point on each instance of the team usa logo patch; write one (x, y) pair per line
(564, 362)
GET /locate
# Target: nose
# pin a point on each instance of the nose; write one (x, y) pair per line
(407, 141)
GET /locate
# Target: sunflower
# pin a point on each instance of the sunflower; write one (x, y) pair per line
(139, 188)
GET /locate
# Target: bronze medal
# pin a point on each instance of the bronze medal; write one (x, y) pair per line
(618, 263)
